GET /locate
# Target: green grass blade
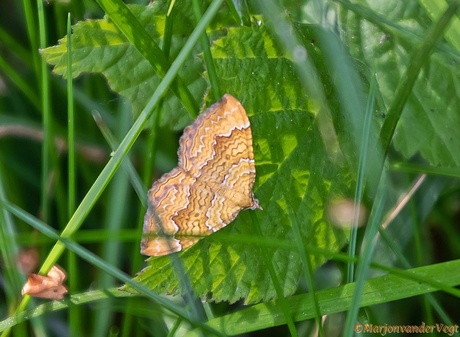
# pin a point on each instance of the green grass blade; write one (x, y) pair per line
(115, 217)
(47, 148)
(71, 126)
(453, 172)
(275, 279)
(8, 250)
(32, 34)
(366, 256)
(307, 271)
(75, 313)
(210, 67)
(360, 179)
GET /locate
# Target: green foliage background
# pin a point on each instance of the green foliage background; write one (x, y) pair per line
(303, 78)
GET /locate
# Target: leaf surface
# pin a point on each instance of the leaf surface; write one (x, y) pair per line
(294, 173)
(429, 122)
(99, 47)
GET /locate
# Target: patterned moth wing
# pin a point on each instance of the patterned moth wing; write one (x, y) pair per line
(211, 185)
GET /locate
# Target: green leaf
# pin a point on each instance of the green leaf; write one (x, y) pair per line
(294, 172)
(428, 124)
(99, 47)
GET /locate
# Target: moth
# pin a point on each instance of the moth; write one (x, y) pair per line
(212, 183)
(49, 286)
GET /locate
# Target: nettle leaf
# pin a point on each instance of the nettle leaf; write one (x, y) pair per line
(294, 176)
(430, 120)
(99, 47)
